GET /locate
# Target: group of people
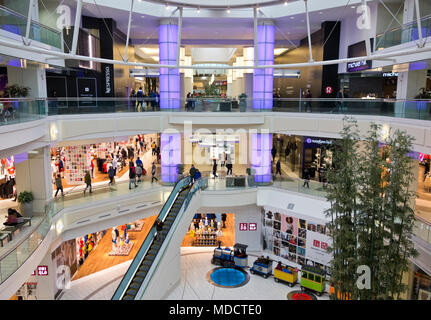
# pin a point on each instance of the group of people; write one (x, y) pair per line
(137, 99)
(194, 173)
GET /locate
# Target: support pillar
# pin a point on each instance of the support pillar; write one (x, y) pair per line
(263, 79)
(32, 76)
(169, 78)
(35, 175)
(261, 145)
(171, 156)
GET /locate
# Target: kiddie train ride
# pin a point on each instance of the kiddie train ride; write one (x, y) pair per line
(229, 258)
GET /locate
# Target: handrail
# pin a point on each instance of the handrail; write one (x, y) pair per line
(20, 15)
(404, 25)
(131, 271)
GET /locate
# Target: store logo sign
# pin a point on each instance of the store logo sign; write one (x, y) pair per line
(320, 244)
(107, 79)
(318, 141)
(247, 226)
(64, 20)
(42, 270)
(363, 21)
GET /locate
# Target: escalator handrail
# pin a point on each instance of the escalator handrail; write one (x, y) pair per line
(140, 255)
(197, 185)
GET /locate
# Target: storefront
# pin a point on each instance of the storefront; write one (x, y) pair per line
(317, 157)
(7, 178)
(208, 229)
(421, 285)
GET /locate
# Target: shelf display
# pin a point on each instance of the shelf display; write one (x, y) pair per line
(78, 159)
(121, 245)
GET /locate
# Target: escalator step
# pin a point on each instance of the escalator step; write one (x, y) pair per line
(138, 280)
(131, 292)
(152, 252)
(135, 285)
(128, 298)
(141, 274)
(144, 268)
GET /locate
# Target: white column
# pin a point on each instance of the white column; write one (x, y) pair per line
(35, 175)
(410, 82)
(31, 76)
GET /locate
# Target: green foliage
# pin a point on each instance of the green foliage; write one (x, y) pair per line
(25, 197)
(211, 90)
(16, 90)
(371, 212)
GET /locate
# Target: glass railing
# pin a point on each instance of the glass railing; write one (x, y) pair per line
(21, 110)
(16, 23)
(422, 229)
(407, 33)
(149, 239)
(23, 249)
(14, 111)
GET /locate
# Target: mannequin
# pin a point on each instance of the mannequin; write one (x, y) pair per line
(114, 239)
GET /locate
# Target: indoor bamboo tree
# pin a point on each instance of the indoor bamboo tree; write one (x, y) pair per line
(342, 194)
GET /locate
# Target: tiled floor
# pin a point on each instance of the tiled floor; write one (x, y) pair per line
(195, 263)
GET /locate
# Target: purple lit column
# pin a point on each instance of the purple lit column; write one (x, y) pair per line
(171, 156)
(261, 144)
(169, 78)
(263, 78)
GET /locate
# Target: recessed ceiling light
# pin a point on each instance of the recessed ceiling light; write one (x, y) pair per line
(166, 6)
(285, 3)
(198, 10)
(228, 10)
(292, 17)
(320, 12)
(353, 7)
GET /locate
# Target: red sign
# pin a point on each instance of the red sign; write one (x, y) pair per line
(316, 243)
(252, 226)
(243, 227)
(42, 270)
(328, 90)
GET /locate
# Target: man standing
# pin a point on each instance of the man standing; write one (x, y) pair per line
(278, 167)
(140, 98)
(153, 173)
(132, 175)
(59, 185)
(192, 172)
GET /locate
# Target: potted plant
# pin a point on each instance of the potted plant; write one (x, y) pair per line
(25, 198)
(17, 91)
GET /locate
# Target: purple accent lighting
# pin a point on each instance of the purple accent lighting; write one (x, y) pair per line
(169, 78)
(263, 79)
(171, 156)
(261, 156)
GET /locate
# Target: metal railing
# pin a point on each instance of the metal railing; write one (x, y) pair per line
(16, 23)
(407, 33)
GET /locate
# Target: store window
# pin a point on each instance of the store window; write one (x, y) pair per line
(421, 286)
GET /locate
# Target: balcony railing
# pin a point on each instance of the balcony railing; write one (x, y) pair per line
(407, 33)
(16, 23)
(22, 110)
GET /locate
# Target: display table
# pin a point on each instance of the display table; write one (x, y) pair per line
(206, 239)
(123, 250)
(138, 226)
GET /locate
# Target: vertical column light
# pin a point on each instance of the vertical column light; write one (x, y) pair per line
(169, 78)
(171, 156)
(263, 78)
(261, 144)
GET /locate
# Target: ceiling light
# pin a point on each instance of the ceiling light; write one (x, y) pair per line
(292, 17)
(320, 12)
(155, 58)
(198, 10)
(353, 7)
(150, 51)
(279, 51)
(228, 10)
(285, 3)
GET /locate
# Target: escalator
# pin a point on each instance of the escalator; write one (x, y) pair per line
(146, 255)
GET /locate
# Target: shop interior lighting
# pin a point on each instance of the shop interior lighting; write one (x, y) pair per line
(150, 51)
(198, 10)
(285, 3)
(228, 10)
(279, 51)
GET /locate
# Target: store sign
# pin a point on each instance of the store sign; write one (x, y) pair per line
(40, 271)
(318, 141)
(390, 74)
(108, 80)
(358, 65)
(328, 90)
(247, 226)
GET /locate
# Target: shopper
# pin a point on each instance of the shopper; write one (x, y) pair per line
(306, 177)
(273, 152)
(87, 180)
(197, 175)
(215, 169)
(92, 167)
(278, 168)
(159, 228)
(139, 163)
(133, 100)
(115, 165)
(59, 185)
(132, 175)
(340, 97)
(229, 165)
(192, 172)
(140, 98)
(308, 96)
(111, 175)
(153, 173)
(287, 152)
(223, 219)
(153, 148)
(158, 154)
(139, 172)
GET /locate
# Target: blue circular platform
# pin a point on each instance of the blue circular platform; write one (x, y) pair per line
(227, 277)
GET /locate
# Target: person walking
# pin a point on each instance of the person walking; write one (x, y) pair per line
(115, 165)
(138, 172)
(153, 148)
(306, 177)
(132, 175)
(229, 165)
(278, 167)
(340, 97)
(59, 185)
(159, 227)
(111, 175)
(273, 152)
(132, 100)
(215, 169)
(192, 172)
(139, 162)
(198, 175)
(153, 173)
(140, 98)
(87, 180)
(308, 106)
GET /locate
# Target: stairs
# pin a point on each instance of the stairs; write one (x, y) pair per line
(155, 246)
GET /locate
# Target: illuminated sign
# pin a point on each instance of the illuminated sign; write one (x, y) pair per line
(247, 226)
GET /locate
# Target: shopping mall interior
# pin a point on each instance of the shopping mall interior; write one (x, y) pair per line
(200, 150)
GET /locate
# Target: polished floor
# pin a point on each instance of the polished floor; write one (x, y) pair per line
(99, 259)
(195, 264)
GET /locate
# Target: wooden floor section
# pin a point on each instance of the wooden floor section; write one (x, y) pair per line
(227, 239)
(99, 259)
